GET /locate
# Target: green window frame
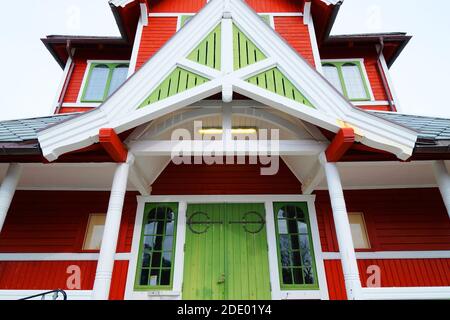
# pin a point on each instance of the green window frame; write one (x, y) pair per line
(296, 260)
(111, 66)
(339, 66)
(156, 257)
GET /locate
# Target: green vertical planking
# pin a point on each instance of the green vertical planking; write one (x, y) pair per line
(244, 50)
(178, 81)
(226, 250)
(276, 82)
(208, 52)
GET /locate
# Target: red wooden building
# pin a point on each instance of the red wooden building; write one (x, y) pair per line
(226, 149)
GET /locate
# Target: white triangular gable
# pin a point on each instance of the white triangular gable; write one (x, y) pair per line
(124, 111)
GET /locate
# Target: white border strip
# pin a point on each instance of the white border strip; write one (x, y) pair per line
(57, 256)
(19, 294)
(385, 255)
(411, 293)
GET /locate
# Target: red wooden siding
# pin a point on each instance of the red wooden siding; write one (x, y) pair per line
(45, 275)
(183, 6)
(276, 5)
(74, 86)
(373, 72)
(48, 221)
(394, 273)
(397, 220)
(154, 36)
(196, 5)
(224, 179)
(296, 34)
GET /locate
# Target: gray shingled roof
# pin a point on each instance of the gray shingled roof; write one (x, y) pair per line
(27, 129)
(428, 127)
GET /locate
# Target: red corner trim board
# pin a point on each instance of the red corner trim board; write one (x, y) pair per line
(112, 144)
(343, 141)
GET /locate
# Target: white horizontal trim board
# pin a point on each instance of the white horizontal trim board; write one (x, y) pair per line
(57, 256)
(19, 294)
(392, 255)
(411, 293)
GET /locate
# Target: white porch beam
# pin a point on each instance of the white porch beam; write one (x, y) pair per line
(343, 231)
(253, 147)
(103, 275)
(7, 190)
(443, 180)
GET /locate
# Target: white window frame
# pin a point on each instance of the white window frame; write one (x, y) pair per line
(365, 76)
(183, 202)
(86, 76)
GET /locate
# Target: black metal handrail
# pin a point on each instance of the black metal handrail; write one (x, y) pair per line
(43, 295)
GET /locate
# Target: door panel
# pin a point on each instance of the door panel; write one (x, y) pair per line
(247, 257)
(226, 252)
(204, 261)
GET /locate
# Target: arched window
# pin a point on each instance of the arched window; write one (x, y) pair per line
(295, 249)
(356, 89)
(119, 75)
(157, 250)
(348, 77)
(95, 87)
(331, 72)
(103, 80)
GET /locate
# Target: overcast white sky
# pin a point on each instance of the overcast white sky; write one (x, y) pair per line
(31, 76)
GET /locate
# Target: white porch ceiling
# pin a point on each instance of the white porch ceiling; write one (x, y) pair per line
(99, 176)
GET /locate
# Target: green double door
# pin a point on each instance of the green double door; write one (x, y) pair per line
(226, 253)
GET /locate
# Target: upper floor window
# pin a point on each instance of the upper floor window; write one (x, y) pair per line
(103, 80)
(295, 248)
(348, 77)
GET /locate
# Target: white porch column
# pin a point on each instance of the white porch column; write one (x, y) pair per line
(105, 264)
(443, 180)
(343, 231)
(7, 190)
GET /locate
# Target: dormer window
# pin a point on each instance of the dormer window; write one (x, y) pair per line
(349, 78)
(103, 79)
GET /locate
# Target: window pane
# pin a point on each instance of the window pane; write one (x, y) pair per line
(154, 277)
(308, 273)
(359, 231)
(298, 276)
(146, 259)
(287, 276)
(165, 277)
(144, 277)
(94, 232)
(167, 260)
(118, 78)
(331, 73)
(96, 86)
(353, 82)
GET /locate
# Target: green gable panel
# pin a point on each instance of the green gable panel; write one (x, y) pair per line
(244, 50)
(208, 51)
(276, 82)
(178, 81)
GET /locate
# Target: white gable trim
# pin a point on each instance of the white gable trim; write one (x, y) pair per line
(121, 111)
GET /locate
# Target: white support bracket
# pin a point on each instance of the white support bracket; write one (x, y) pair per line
(316, 177)
(137, 178)
(443, 179)
(7, 190)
